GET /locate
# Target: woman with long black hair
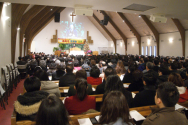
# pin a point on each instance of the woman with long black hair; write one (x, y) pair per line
(81, 102)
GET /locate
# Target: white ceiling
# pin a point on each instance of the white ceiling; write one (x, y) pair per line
(171, 8)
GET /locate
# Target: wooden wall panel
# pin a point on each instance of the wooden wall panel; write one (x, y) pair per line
(41, 24)
(17, 12)
(1, 7)
(26, 18)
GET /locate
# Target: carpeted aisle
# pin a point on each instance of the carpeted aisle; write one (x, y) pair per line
(5, 115)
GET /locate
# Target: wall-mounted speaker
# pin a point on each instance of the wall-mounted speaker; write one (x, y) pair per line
(57, 17)
(105, 21)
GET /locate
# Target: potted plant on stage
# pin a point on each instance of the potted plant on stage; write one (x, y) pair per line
(89, 53)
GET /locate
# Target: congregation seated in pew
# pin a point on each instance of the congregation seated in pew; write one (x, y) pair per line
(80, 74)
(27, 105)
(166, 97)
(146, 96)
(81, 102)
(94, 78)
(68, 78)
(113, 83)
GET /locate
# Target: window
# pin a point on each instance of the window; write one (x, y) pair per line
(150, 51)
(155, 51)
(142, 50)
(146, 50)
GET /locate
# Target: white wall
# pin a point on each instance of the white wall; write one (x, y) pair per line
(170, 49)
(120, 47)
(132, 48)
(43, 39)
(5, 37)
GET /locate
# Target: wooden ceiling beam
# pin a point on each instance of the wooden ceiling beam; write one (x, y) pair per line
(182, 33)
(1, 8)
(117, 29)
(34, 21)
(16, 15)
(26, 18)
(106, 30)
(132, 29)
(153, 29)
(44, 22)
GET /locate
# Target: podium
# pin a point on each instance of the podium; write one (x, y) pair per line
(58, 53)
(95, 53)
(75, 49)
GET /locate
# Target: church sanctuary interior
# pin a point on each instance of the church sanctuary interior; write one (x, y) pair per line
(99, 32)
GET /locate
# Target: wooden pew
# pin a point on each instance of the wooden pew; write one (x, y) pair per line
(97, 97)
(145, 111)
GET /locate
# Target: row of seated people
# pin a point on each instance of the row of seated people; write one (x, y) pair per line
(45, 109)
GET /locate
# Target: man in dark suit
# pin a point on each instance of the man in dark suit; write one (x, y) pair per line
(68, 78)
(107, 72)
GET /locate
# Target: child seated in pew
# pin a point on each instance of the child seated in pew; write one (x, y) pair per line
(115, 110)
(146, 96)
(27, 105)
(166, 97)
(81, 102)
(52, 112)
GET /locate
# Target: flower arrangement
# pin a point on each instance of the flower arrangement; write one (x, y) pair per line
(89, 52)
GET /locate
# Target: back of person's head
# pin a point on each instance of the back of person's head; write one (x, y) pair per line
(164, 69)
(168, 93)
(81, 88)
(69, 68)
(115, 106)
(42, 63)
(61, 66)
(113, 83)
(137, 75)
(150, 79)
(52, 112)
(109, 71)
(149, 65)
(81, 74)
(94, 72)
(76, 63)
(185, 64)
(141, 60)
(174, 65)
(176, 79)
(93, 62)
(32, 84)
(42, 75)
(120, 69)
(156, 62)
(19, 58)
(132, 68)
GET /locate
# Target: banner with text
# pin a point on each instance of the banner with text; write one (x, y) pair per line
(71, 41)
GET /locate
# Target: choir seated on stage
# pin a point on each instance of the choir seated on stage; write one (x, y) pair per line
(160, 81)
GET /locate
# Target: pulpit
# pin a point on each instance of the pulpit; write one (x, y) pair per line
(58, 53)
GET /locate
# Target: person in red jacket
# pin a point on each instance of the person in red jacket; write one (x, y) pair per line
(81, 102)
(177, 80)
(94, 78)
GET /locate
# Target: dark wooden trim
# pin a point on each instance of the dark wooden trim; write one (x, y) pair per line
(182, 33)
(26, 18)
(117, 29)
(133, 30)
(106, 30)
(1, 8)
(153, 29)
(16, 15)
